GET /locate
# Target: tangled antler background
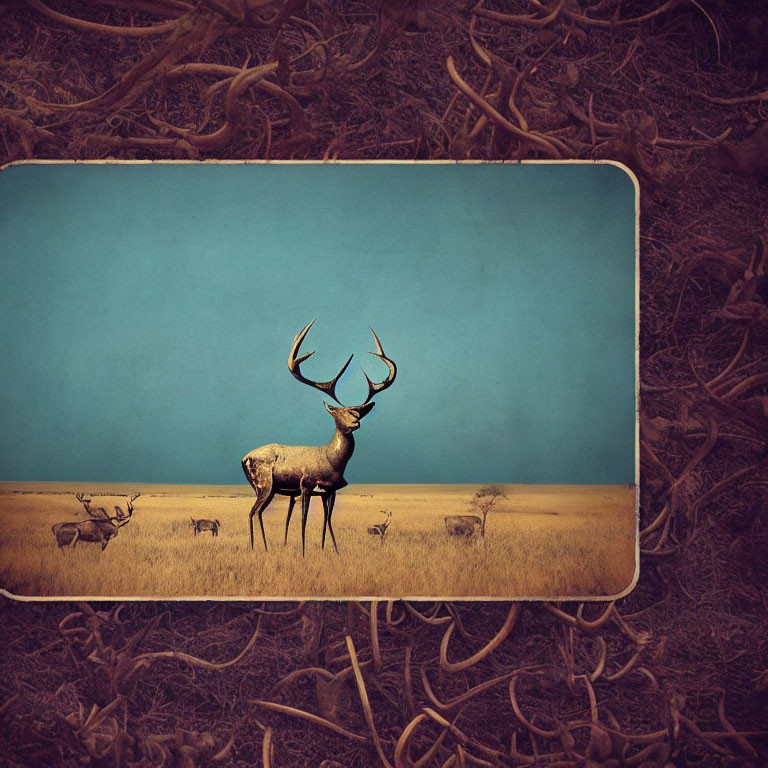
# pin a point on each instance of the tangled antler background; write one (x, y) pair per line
(675, 673)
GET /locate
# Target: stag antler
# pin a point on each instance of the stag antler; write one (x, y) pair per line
(382, 385)
(329, 387)
(130, 503)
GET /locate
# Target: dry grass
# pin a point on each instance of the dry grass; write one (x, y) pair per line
(545, 541)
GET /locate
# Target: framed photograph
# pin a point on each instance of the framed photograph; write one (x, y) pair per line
(148, 311)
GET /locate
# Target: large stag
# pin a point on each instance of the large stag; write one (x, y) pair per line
(462, 525)
(306, 471)
(206, 525)
(101, 527)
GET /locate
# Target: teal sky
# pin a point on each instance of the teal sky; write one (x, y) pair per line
(147, 312)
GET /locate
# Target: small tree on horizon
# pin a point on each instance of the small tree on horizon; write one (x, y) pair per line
(485, 500)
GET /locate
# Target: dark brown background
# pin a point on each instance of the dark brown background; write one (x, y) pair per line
(675, 673)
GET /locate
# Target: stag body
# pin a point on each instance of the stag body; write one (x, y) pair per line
(303, 471)
(100, 528)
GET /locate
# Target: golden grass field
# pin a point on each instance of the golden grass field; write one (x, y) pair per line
(542, 541)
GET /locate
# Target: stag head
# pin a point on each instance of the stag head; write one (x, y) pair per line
(347, 418)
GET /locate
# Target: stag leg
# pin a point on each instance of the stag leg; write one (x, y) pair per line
(291, 504)
(328, 512)
(260, 477)
(262, 502)
(324, 499)
(76, 537)
(306, 495)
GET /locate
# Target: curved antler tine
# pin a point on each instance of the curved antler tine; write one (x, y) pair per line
(329, 387)
(373, 388)
(293, 361)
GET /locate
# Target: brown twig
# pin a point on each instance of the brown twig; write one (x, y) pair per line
(494, 643)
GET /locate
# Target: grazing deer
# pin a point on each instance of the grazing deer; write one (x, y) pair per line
(206, 525)
(306, 471)
(381, 528)
(101, 527)
(462, 525)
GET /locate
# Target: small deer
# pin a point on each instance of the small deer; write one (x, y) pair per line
(101, 527)
(206, 525)
(462, 525)
(381, 528)
(306, 471)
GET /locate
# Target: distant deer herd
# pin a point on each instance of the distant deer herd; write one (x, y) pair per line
(101, 527)
(298, 472)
